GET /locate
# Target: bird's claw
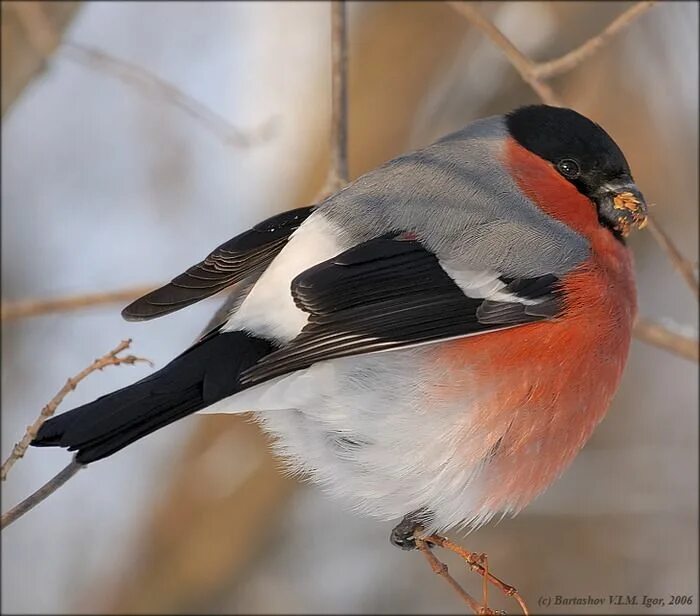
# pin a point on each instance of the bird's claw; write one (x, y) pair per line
(405, 533)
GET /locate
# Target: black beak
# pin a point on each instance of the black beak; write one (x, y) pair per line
(622, 207)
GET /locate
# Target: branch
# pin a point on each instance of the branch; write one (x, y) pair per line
(657, 335)
(45, 39)
(37, 307)
(41, 494)
(338, 171)
(440, 568)
(339, 121)
(684, 266)
(569, 61)
(534, 73)
(145, 81)
(525, 67)
(477, 563)
(110, 359)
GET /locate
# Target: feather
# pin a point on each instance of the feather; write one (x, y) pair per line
(391, 293)
(228, 264)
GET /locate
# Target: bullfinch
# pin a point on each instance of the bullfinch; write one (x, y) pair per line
(434, 342)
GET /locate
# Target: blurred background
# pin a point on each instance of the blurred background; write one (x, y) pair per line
(155, 131)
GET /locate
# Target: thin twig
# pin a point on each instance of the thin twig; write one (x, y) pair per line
(662, 337)
(440, 568)
(110, 359)
(520, 61)
(37, 307)
(475, 565)
(338, 170)
(146, 81)
(44, 39)
(534, 73)
(339, 124)
(570, 60)
(42, 493)
(684, 266)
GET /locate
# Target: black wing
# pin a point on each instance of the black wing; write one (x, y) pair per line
(390, 293)
(228, 264)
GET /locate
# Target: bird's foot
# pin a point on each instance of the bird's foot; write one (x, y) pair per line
(404, 534)
(408, 535)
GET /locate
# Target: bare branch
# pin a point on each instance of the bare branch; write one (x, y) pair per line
(339, 122)
(684, 266)
(42, 493)
(45, 40)
(440, 568)
(110, 359)
(37, 307)
(338, 170)
(521, 63)
(145, 81)
(534, 73)
(662, 337)
(476, 563)
(570, 60)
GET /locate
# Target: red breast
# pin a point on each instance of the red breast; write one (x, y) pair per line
(542, 388)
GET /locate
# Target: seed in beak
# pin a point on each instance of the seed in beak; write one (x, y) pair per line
(634, 212)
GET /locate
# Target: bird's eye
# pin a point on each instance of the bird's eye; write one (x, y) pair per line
(569, 168)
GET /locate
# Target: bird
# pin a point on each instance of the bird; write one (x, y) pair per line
(433, 343)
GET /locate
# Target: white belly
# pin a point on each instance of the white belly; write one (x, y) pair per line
(361, 428)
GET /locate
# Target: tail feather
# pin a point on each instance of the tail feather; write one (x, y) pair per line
(207, 372)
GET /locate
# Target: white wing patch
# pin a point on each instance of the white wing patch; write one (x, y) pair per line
(269, 310)
(484, 284)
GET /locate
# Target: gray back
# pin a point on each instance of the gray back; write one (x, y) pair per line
(464, 206)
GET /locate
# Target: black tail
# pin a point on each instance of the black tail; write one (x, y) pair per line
(202, 375)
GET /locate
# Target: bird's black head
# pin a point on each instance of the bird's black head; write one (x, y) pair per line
(584, 154)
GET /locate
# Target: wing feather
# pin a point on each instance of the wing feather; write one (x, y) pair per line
(391, 293)
(230, 263)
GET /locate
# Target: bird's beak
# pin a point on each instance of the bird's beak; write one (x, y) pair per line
(623, 206)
